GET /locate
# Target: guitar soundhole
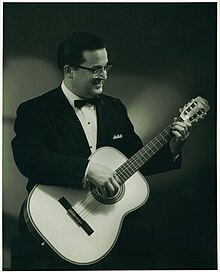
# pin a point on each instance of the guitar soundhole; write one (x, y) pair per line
(109, 200)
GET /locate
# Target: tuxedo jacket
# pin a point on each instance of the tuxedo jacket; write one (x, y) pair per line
(50, 146)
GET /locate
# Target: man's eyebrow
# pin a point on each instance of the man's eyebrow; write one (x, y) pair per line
(100, 66)
(97, 66)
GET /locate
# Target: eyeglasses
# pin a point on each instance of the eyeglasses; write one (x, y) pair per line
(96, 71)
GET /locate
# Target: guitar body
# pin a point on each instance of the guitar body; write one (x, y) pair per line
(46, 217)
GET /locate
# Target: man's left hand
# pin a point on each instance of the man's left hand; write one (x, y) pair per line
(181, 131)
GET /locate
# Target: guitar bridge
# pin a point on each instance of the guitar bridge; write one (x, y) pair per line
(75, 216)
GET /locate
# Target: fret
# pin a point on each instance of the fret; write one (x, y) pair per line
(158, 141)
(127, 169)
(162, 137)
(150, 151)
(154, 146)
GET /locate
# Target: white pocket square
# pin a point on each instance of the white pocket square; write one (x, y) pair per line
(117, 136)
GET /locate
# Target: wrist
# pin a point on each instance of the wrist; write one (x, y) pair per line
(173, 150)
(86, 175)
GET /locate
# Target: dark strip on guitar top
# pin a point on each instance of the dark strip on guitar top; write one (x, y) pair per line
(75, 216)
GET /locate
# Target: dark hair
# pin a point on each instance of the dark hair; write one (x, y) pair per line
(70, 50)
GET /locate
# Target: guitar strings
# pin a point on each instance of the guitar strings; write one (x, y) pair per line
(80, 208)
(86, 211)
(89, 203)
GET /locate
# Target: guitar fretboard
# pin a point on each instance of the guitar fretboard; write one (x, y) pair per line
(127, 169)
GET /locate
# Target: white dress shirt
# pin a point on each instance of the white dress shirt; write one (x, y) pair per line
(87, 117)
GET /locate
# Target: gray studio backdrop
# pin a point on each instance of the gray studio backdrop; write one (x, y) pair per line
(163, 55)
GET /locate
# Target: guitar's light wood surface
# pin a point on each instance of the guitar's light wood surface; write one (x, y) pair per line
(50, 219)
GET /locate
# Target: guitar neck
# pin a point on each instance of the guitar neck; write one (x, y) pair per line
(127, 169)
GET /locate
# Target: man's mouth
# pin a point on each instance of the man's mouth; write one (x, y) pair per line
(98, 82)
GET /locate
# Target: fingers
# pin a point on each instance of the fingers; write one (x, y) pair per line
(181, 129)
(103, 191)
(104, 178)
(116, 181)
(110, 187)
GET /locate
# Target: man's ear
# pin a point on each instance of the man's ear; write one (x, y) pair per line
(68, 72)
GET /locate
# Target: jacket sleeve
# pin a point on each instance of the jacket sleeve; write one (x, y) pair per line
(32, 157)
(162, 161)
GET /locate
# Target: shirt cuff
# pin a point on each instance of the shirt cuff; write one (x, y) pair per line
(175, 157)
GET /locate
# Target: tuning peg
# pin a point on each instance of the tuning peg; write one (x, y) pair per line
(180, 110)
(204, 115)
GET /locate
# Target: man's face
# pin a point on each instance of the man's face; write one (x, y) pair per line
(85, 85)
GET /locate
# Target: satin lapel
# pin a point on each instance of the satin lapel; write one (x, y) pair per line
(102, 118)
(70, 118)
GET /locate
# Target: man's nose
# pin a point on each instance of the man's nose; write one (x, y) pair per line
(102, 74)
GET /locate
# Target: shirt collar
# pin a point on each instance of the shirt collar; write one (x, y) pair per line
(69, 95)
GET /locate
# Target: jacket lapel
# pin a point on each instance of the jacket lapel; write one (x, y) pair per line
(70, 119)
(103, 123)
(100, 124)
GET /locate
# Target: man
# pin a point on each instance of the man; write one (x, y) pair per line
(56, 134)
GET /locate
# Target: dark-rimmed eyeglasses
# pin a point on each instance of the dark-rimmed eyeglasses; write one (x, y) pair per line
(96, 71)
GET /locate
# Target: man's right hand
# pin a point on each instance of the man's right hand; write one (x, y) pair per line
(104, 178)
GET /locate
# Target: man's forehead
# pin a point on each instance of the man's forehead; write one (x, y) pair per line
(95, 56)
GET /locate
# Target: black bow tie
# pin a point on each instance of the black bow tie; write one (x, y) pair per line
(82, 102)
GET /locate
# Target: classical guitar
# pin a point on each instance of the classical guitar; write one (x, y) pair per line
(79, 224)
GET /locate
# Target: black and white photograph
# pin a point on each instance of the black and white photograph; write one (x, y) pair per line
(109, 136)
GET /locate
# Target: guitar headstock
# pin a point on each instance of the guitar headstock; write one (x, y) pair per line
(196, 109)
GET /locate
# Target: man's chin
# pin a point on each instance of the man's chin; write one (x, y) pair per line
(97, 90)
